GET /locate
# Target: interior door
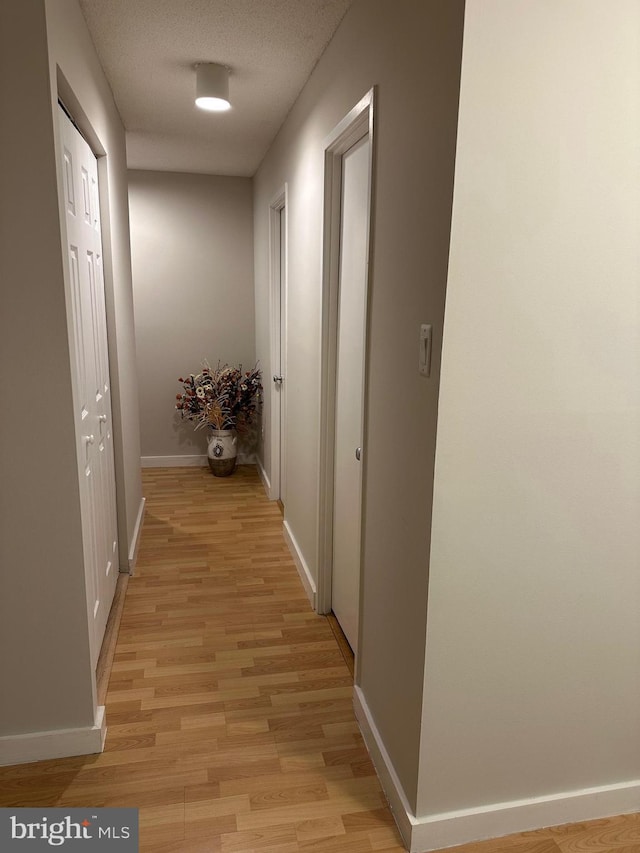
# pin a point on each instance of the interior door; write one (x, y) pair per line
(90, 366)
(347, 504)
(280, 387)
(278, 262)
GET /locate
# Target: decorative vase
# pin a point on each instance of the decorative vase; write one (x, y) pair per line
(222, 451)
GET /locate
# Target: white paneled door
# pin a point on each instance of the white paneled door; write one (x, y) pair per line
(352, 297)
(90, 368)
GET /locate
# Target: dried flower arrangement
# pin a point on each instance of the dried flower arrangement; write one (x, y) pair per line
(220, 398)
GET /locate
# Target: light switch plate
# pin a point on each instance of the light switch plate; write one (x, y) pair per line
(426, 337)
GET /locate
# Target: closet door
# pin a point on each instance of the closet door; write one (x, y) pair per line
(90, 366)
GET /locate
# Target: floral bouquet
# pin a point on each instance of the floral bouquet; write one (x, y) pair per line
(220, 398)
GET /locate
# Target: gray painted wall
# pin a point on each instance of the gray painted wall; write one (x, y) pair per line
(411, 51)
(532, 683)
(45, 669)
(192, 255)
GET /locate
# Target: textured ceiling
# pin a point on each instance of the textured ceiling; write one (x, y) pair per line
(148, 49)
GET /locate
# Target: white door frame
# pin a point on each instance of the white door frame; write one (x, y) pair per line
(356, 124)
(86, 312)
(73, 107)
(278, 279)
(67, 95)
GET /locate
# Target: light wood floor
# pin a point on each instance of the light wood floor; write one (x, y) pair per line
(229, 706)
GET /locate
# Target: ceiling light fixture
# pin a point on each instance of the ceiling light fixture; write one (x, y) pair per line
(212, 87)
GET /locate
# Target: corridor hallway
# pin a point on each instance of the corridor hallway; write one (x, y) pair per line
(229, 709)
(224, 673)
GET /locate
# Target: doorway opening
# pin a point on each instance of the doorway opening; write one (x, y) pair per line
(346, 248)
(278, 284)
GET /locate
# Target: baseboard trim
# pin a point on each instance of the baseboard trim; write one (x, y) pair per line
(60, 743)
(422, 834)
(384, 767)
(453, 828)
(303, 569)
(266, 482)
(135, 539)
(498, 819)
(199, 461)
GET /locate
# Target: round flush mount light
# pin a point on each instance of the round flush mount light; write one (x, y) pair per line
(212, 87)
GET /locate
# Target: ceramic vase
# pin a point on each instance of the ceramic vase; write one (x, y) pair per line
(222, 451)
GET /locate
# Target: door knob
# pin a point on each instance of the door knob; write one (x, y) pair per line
(358, 453)
(278, 380)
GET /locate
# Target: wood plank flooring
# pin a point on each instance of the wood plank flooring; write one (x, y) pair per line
(229, 709)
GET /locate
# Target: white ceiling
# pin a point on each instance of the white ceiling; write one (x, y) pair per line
(148, 49)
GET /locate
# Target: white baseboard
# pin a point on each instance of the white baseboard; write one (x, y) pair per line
(135, 539)
(303, 569)
(422, 834)
(266, 482)
(498, 819)
(60, 743)
(199, 461)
